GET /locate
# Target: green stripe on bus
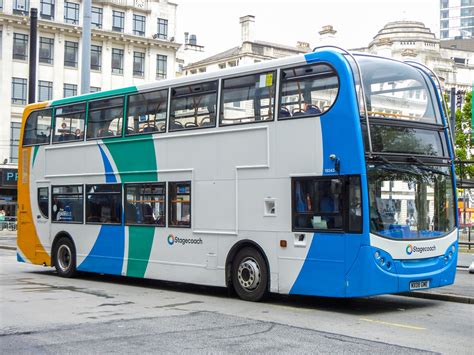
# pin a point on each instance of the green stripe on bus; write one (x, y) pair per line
(134, 158)
(95, 95)
(140, 241)
(35, 152)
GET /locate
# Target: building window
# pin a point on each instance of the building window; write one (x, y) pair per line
(69, 123)
(70, 90)
(15, 129)
(255, 97)
(117, 61)
(46, 50)
(444, 4)
(162, 28)
(179, 204)
(96, 17)
(96, 57)
(161, 66)
(104, 204)
(307, 91)
(145, 204)
(70, 54)
(21, 7)
(18, 91)
(118, 18)
(37, 128)
(146, 112)
(20, 46)
(138, 63)
(47, 9)
(105, 118)
(45, 90)
(94, 89)
(138, 25)
(67, 204)
(193, 106)
(71, 13)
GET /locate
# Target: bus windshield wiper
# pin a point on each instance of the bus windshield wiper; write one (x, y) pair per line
(425, 167)
(390, 166)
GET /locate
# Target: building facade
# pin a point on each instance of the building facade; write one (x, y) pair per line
(456, 19)
(248, 52)
(133, 42)
(452, 60)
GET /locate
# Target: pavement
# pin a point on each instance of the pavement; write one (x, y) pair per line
(462, 291)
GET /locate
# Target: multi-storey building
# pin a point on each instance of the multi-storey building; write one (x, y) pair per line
(248, 52)
(456, 19)
(133, 41)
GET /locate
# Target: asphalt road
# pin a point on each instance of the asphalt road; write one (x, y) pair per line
(42, 313)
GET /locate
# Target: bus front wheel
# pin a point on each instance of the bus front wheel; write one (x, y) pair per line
(249, 275)
(65, 257)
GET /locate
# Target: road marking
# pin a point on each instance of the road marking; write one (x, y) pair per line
(393, 324)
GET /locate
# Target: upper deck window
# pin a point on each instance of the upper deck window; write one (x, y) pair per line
(193, 106)
(397, 91)
(37, 128)
(307, 91)
(248, 98)
(69, 123)
(105, 118)
(147, 112)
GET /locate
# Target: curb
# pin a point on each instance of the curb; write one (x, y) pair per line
(440, 297)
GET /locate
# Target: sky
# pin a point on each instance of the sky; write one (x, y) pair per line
(216, 23)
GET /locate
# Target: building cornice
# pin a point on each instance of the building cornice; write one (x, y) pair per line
(74, 30)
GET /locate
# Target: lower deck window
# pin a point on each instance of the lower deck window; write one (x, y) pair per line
(43, 201)
(327, 203)
(179, 204)
(145, 204)
(67, 204)
(104, 204)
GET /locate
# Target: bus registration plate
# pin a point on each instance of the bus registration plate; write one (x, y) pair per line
(416, 285)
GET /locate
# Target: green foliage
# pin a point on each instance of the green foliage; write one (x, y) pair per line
(463, 142)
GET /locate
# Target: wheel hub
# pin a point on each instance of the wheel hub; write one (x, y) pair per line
(64, 257)
(248, 274)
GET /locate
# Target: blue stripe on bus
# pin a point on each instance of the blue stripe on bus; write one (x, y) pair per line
(107, 254)
(19, 258)
(109, 171)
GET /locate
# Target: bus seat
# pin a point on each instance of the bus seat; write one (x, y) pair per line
(150, 129)
(130, 213)
(312, 110)
(190, 125)
(176, 125)
(298, 112)
(284, 112)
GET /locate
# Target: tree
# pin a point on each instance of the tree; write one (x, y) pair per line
(464, 143)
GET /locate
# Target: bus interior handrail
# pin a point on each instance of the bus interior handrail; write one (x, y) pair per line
(361, 83)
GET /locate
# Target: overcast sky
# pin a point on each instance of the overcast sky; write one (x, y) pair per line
(216, 22)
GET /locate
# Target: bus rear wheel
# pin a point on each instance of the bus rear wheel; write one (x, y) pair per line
(249, 275)
(65, 258)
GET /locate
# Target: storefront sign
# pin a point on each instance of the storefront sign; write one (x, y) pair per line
(9, 177)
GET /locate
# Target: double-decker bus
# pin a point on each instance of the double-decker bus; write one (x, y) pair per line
(327, 174)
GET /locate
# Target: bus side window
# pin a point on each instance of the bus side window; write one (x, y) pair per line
(355, 205)
(147, 112)
(179, 204)
(43, 201)
(307, 91)
(67, 204)
(193, 106)
(37, 128)
(104, 203)
(248, 98)
(145, 204)
(105, 118)
(69, 123)
(318, 203)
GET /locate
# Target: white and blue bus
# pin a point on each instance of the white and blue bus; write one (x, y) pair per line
(327, 174)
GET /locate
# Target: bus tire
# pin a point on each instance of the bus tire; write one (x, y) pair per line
(64, 257)
(249, 275)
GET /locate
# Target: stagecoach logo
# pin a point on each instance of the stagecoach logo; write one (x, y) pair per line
(414, 249)
(183, 241)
